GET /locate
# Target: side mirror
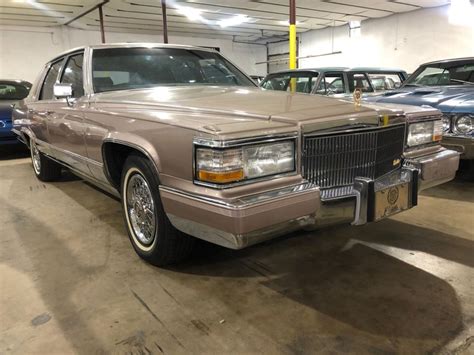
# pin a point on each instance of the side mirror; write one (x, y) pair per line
(62, 91)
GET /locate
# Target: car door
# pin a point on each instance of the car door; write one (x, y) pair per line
(41, 109)
(66, 124)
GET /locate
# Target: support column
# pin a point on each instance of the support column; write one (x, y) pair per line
(165, 23)
(101, 18)
(292, 34)
(293, 42)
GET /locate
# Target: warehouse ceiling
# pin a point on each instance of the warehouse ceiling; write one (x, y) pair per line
(242, 20)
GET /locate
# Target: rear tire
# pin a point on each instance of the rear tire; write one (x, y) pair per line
(45, 169)
(151, 233)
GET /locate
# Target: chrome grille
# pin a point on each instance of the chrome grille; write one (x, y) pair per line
(335, 160)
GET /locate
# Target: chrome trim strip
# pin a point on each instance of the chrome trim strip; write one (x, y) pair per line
(128, 144)
(213, 143)
(68, 152)
(354, 129)
(246, 201)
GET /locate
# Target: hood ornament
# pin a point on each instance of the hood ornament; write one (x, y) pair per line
(357, 95)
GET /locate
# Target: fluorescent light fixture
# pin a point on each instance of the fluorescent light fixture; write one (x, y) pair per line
(354, 24)
(461, 12)
(190, 12)
(354, 29)
(233, 21)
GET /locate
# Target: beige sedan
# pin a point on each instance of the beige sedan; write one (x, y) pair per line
(196, 150)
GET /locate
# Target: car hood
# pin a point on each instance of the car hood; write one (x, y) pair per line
(445, 98)
(231, 105)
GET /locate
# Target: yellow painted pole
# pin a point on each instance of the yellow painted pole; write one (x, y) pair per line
(292, 46)
(292, 42)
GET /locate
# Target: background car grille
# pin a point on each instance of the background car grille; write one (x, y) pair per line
(334, 161)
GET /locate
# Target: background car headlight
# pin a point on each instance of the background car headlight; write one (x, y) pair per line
(221, 166)
(463, 124)
(424, 132)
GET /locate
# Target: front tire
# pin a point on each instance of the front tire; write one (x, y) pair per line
(45, 169)
(151, 233)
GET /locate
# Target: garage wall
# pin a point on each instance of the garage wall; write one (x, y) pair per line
(24, 50)
(405, 41)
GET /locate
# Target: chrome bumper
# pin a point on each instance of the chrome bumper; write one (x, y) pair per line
(435, 168)
(463, 145)
(252, 219)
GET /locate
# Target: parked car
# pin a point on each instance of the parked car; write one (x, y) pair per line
(195, 149)
(11, 91)
(335, 81)
(449, 86)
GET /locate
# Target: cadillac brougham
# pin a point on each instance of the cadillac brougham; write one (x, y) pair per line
(195, 149)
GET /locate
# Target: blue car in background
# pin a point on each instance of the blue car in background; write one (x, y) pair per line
(447, 85)
(11, 91)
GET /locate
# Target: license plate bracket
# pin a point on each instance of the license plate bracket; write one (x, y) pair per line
(391, 200)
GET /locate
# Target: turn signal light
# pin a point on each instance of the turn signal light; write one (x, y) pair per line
(221, 177)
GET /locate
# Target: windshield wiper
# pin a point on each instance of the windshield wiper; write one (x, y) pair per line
(462, 81)
(413, 85)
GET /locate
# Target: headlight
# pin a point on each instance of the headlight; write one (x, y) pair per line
(463, 124)
(446, 123)
(226, 165)
(424, 132)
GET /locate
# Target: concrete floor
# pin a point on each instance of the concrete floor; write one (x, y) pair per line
(71, 282)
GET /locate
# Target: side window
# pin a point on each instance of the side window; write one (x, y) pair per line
(331, 84)
(359, 81)
(381, 81)
(303, 84)
(47, 92)
(279, 83)
(72, 74)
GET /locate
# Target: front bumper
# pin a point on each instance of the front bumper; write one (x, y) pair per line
(463, 145)
(252, 219)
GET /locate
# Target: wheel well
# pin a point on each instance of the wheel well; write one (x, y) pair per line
(114, 155)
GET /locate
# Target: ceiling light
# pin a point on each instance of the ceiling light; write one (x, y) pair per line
(191, 13)
(354, 24)
(461, 12)
(233, 21)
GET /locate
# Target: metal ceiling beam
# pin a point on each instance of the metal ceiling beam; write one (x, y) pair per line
(88, 11)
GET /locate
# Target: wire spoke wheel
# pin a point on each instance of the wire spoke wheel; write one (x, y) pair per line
(141, 209)
(35, 158)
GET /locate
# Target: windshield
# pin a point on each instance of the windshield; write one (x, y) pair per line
(10, 91)
(436, 76)
(132, 68)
